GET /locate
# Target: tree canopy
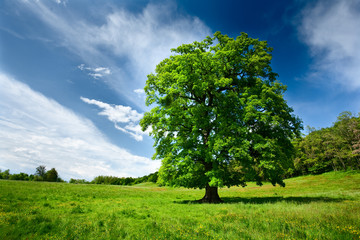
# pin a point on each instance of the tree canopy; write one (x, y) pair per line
(219, 116)
(40, 171)
(51, 175)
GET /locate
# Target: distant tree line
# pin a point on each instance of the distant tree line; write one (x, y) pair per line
(52, 176)
(329, 149)
(111, 180)
(40, 175)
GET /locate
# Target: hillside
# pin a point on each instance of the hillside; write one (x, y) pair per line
(324, 206)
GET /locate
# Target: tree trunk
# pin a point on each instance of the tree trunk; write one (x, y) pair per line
(211, 195)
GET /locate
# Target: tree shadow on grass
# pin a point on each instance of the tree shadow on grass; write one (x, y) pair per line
(265, 200)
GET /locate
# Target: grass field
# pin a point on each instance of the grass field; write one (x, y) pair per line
(311, 207)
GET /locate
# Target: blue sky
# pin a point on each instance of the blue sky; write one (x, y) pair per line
(72, 71)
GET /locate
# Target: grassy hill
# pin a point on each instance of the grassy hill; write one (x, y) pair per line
(312, 207)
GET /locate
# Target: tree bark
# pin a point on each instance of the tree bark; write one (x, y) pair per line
(211, 195)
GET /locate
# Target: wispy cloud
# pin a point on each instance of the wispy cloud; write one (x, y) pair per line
(121, 115)
(36, 130)
(138, 40)
(331, 29)
(15, 34)
(96, 73)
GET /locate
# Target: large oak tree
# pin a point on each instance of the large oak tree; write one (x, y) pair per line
(219, 116)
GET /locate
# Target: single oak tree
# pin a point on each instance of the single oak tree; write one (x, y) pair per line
(219, 116)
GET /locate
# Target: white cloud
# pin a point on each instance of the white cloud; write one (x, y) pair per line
(138, 40)
(35, 130)
(63, 2)
(98, 72)
(133, 131)
(119, 114)
(331, 29)
(139, 91)
(147, 38)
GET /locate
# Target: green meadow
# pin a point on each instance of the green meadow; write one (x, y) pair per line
(311, 207)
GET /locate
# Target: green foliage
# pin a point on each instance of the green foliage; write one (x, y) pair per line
(51, 175)
(21, 176)
(220, 118)
(153, 177)
(41, 171)
(311, 207)
(79, 181)
(330, 149)
(110, 180)
(37, 178)
(5, 174)
(40, 175)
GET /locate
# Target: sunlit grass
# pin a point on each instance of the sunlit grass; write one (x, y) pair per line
(311, 207)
